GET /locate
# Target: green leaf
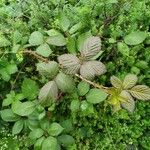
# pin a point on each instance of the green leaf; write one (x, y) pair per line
(116, 82)
(17, 127)
(49, 69)
(48, 94)
(65, 83)
(75, 28)
(4, 42)
(66, 140)
(75, 105)
(129, 81)
(86, 108)
(23, 109)
(64, 21)
(55, 38)
(70, 63)
(36, 133)
(135, 38)
(10, 98)
(128, 101)
(141, 92)
(11, 68)
(90, 48)
(83, 88)
(55, 129)
(30, 89)
(38, 144)
(5, 75)
(17, 37)
(36, 38)
(44, 50)
(96, 96)
(71, 45)
(50, 143)
(8, 115)
(123, 48)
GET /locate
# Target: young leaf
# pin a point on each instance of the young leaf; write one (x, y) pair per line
(66, 140)
(75, 104)
(48, 93)
(49, 69)
(90, 69)
(55, 129)
(23, 109)
(50, 143)
(128, 102)
(141, 92)
(17, 127)
(70, 63)
(36, 133)
(30, 89)
(91, 47)
(44, 50)
(129, 81)
(123, 48)
(135, 38)
(83, 88)
(55, 38)
(96, 96)
(36, 38)
(116, 82)
(65, 83)
(71, 45)
(8, 115)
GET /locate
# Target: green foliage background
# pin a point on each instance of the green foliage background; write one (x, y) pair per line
(98, 127)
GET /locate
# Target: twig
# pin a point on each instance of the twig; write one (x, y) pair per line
(93, 84)
(35, 55)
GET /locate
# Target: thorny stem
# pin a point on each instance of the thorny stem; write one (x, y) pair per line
(106, 89)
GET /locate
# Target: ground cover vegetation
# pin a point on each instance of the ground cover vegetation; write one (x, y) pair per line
(74, 74)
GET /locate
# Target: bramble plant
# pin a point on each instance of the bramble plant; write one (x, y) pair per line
(75, 81)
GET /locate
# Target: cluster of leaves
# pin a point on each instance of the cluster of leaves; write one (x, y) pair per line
(63, 114)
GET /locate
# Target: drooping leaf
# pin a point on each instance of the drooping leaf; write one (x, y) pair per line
(90, 69)
(44, 50)
(48, 93)
(17, 127)
(83, 88)
(141, 92)
(66, 140)
(8, 115)
(50, 143)
(55, 38)
(64, 21)
(128, 102)
(91, 47)
(135, 38)
(55, 129)
(96, 96)
(30, 89)
(116, 82)
(23, 109)
(36, 133)
(129, 81)
(36, 38)
(70, 63)
(65, 83)
(49, 69)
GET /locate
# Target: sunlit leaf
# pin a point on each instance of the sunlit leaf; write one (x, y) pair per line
(83, 88)
(17, 127)
(48, 93)
(141, 92)
(90, 69)
(129, 81)
(116, 82)
(91, 47)
(70, 63)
